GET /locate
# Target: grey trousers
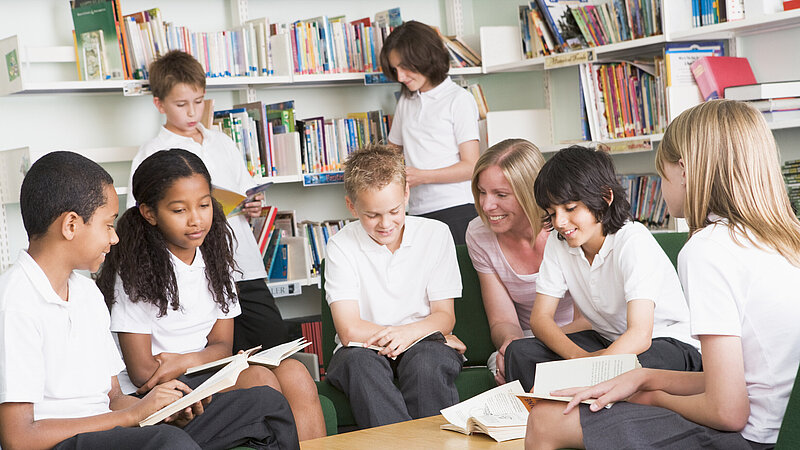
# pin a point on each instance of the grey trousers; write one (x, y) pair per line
(259, 418)
(425, 374)
(522, 355)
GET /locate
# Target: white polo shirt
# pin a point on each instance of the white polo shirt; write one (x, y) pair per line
(629, 266)
(182, 331)
(56, 354)
(227, 169)
(741, 290)
(393, 288)
(430, 126)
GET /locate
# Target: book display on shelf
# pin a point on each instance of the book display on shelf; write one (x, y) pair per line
(98, 41)
(644, 194)
(715, 73)
(791, 176)
(707, 12)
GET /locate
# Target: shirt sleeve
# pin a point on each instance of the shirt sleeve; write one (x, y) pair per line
(705, 270)
(551, 280)
(476, 244)
(643, 265)
(396, 130)
(244, 180)
(341, 273)
(234, 310)
(465, 118)
(447, 280)
(22, 366)
(129, 317)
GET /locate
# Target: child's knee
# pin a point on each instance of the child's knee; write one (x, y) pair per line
(258, 376)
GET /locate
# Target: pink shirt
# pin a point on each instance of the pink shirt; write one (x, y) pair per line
(487, 257)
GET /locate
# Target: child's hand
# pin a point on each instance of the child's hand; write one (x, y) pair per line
(170, 366)
(451, 340)
(394, 340)
(182, 418)
(617, 389)
(253, 209)
(159, 397)
(414, 176)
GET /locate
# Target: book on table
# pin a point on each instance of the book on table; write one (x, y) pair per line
(579, 372)
(496, 413)
(223, 379)
(270, 357)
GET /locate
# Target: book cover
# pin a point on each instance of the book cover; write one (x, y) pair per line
(280, 265)
(714, 74)
(98, 42)
(233, 202)
(764, 91)
(271, 252)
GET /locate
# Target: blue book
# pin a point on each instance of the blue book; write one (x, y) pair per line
(312, 242)
(280, 266)
(272, 251)
(551, 24)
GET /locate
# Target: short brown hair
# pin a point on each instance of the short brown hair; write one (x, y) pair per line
(173, 68)
(420, 49)
(373, 167)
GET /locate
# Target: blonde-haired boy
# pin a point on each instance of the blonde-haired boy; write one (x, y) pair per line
(390, 280)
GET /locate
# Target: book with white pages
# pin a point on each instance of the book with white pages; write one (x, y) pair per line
(496, 413)
(579, 372)
(763, 91)
(223, 379)
(432, 336)
(270, 357)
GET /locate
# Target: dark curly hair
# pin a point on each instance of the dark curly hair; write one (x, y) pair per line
(578, 173)
(142, 260)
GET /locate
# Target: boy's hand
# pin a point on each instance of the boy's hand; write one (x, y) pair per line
(253, 209)
(452, 341)
(159, 397)
(414, 176)
(170, 366)
(394, 340)
(182, 418)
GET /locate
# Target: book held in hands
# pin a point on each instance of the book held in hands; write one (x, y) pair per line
(270, 357)
(496, 413)
(579, 372)
(432, 336)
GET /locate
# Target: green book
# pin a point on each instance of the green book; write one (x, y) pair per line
(97, 42)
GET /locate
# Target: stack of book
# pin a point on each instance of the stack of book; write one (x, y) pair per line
(778, 101)
(317, 234)
(791, 176)
(709, 12)
(312, 332)
(461, 54)
(101, 47)
(324, 45)
(553, 26)
(623, 99)
(644, 194)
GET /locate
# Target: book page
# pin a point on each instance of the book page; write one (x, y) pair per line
(273, 356)
(223, 379)
(499, 403)
(220, 362)
(431, 335)
(579, 372)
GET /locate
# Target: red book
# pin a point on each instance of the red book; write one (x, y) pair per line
(714, 73)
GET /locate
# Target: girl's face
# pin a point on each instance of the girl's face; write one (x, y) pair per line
(414, 81)
(498, 202)
(673, 188)
(578, 225)
(183, 216)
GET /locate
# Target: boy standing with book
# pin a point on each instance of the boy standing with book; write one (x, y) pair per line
(58, 361)
(178, 83)
(391, 280)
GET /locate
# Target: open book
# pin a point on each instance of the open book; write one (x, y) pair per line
(223, 379)
(432, 336)
(495, 412)
(233, 202)
(554, 375)
(270, 357)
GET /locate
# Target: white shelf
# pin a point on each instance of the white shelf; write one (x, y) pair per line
(757, 24)
(651, 138)
(784, 124)
(281, 179)
(459, 71)
(517, 66)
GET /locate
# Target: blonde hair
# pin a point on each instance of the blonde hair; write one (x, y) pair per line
(520, 162)
(732, 170)
(373, 167)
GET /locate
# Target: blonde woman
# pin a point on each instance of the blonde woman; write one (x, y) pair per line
(506, 243)
(739, 269)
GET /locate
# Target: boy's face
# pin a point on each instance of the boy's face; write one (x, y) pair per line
(382, 213)
(578, 225)
(184, 216)
(93, 239)
(183, 107)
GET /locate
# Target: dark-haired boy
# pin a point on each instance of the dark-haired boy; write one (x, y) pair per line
(58, 361)
(620, 279)
(178, 83)
(390, 279)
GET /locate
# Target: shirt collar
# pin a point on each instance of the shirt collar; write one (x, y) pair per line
(197, 264)
(605, 249)
(168, 135)
(439, 90)
(367, 244)
(40, 281)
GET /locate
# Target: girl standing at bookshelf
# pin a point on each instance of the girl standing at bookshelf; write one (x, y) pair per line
(506, 243)
(436, 125)
(168, 284)
(720, 170)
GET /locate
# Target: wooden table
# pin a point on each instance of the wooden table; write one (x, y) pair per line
(414, 434)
